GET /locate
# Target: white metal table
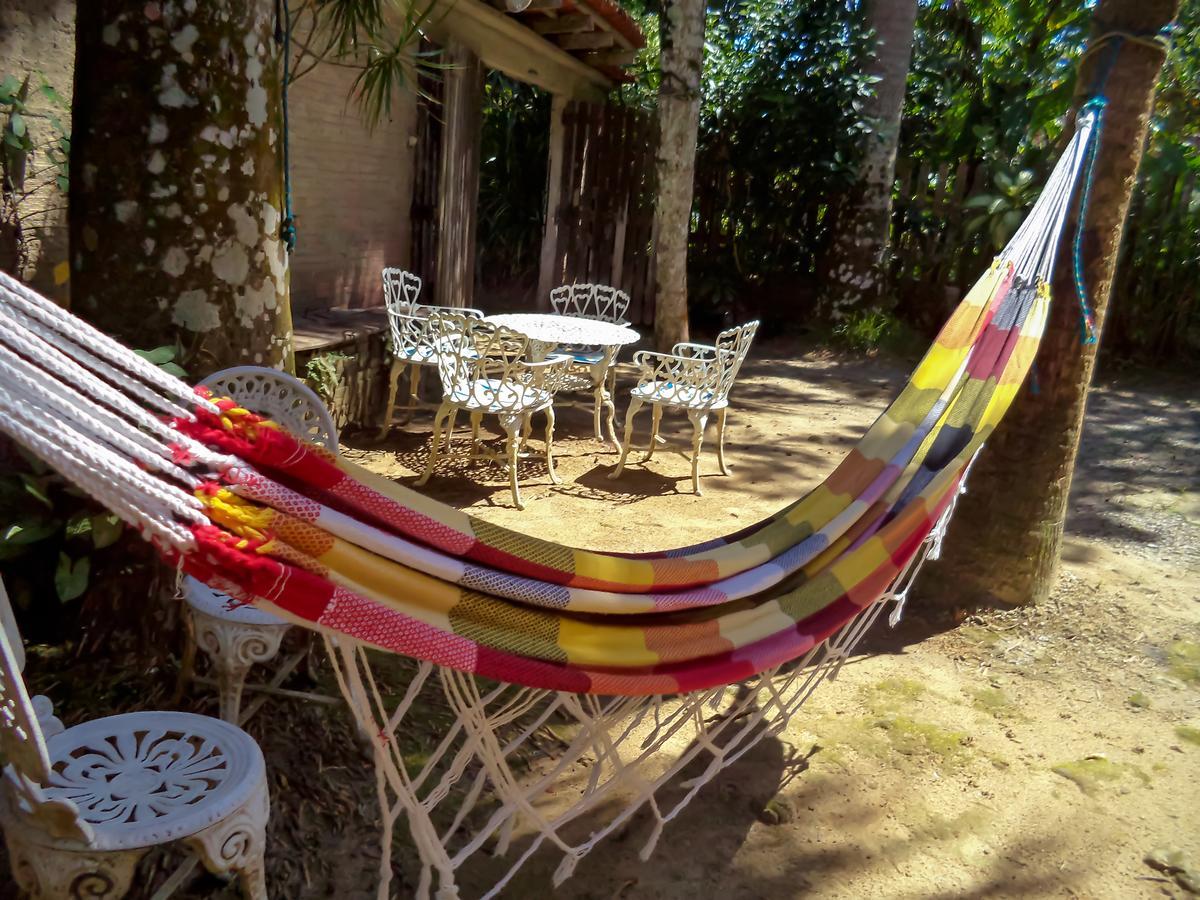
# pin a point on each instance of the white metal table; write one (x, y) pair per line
(547, 331)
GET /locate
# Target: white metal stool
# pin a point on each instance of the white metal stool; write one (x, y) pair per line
(81, 806)
(234, 636)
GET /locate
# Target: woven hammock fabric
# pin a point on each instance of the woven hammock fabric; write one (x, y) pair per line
(341, 550)
(387, 566)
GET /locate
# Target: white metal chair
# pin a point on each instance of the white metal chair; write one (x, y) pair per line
(81, 806)
(234, 636)
(593, 368)
(412, 348)
(484, 371)
(695, 378)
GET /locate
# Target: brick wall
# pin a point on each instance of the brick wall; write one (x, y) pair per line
(37, 38)
(352, 191)
(352, 188)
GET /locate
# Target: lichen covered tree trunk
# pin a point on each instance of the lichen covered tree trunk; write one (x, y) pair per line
(176, 184)
(853, 270)
(682, 29)
(1005, 540)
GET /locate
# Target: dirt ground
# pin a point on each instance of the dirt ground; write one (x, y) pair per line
(1040, 752)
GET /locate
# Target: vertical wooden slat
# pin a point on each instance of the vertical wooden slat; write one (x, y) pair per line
(458, 198)
(554, 179)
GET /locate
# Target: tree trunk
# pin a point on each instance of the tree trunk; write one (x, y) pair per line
(854, 268)
(682, 28)
(1005, 540)
(176, 186)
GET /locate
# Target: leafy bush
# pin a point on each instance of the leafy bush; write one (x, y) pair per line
(873, 330)
(56, 542)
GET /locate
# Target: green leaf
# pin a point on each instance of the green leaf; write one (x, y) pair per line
(79, 525)
(16, 124)
(979, 201)
(28, 531)
(71, 577)
(173, 369)
(159, 355)
(52, 95)
(62, 182)
(36, 490)
(106, 529)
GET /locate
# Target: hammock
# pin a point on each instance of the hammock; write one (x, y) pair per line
(516, 633)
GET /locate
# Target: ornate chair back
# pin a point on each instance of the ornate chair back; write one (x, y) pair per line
(482, 364)
(591, 301)
(23, 742)
(412, 337)
(280, 397)
(733, 345)
(400, 288)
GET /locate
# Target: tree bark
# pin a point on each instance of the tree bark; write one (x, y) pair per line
(682, 29)
(854, 268)
(176, 184)
(1005, 540)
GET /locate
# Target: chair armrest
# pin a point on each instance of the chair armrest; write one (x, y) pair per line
(693, 350)
(549, 373)
(688, 371)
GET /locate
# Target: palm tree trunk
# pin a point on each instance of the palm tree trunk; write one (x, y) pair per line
(176, 191)
(1006, 538)
(682, 25)
(853, 271)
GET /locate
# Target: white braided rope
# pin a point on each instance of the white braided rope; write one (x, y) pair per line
(101, 346)
(59, 369)
(37, 345)
(122, 487)
(55, 400)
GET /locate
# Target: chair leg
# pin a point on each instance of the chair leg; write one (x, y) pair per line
(476, 419)
(512, 426)
(554, 479)
(237, 844)
(721, 413)
(46, 873)
(390, 409)
(657, 414)
(699, 420)
(441, 415)
(414, 389)
(610, 417)
(597, 402)
(232, 648)
(450, 431)
(634, 405)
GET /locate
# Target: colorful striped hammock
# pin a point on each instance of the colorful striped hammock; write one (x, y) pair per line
(232, 499)
(342, 550)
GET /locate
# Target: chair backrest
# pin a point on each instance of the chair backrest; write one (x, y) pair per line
(409, 325)
(400, 288)
(485, 363)
(279, 397)
(22, 744)
(23, 741)
(601, 302)
(732, 346)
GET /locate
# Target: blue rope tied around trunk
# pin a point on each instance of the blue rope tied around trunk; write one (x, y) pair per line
(1112, 41)
(283, 37)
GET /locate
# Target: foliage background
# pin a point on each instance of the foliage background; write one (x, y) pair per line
(781, 127)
